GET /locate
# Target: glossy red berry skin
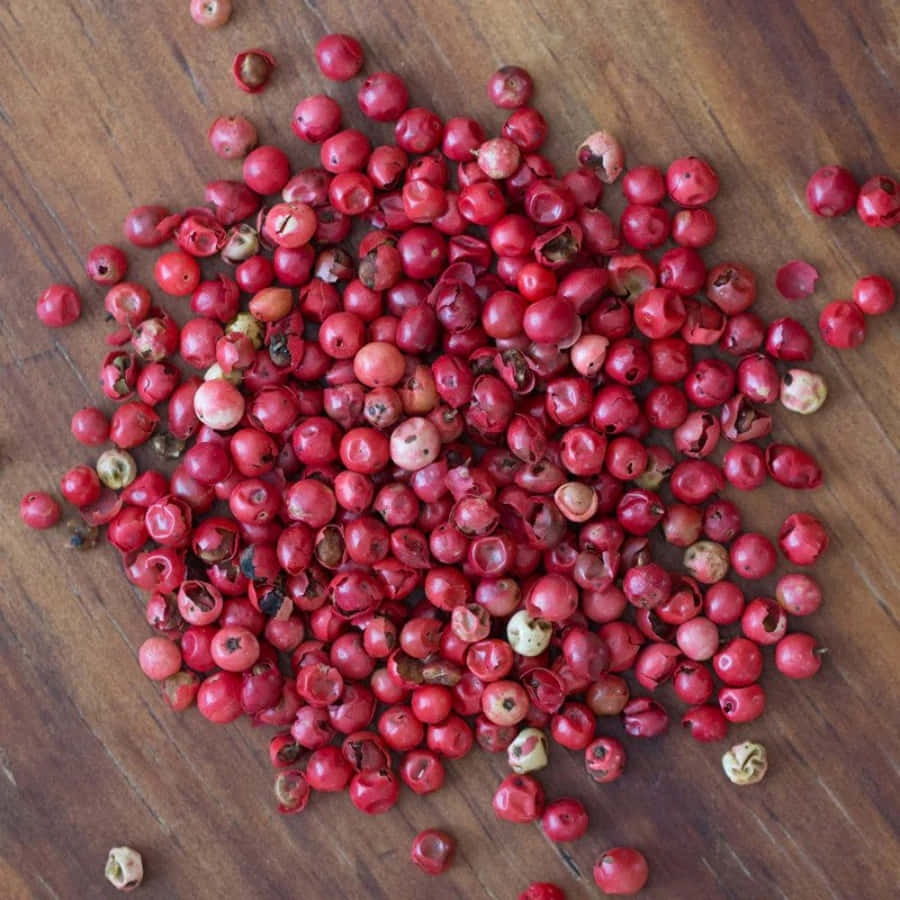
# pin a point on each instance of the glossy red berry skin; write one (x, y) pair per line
(874, 295)
(692, 182)
(328, 770)
(621, 871)
(542, 890)
(374, 791)
(753, 555)
(878, 203)
(433, 851)
(564, 820)
(707, 723)
(59, 306)
(644, 717)
(831, 191)
(383, 96)
(842, 324)
(604, 759)
(339, 56)
(799, 594)
(763, 621)
(266, 170)
(90, 427)
(520, 798)
(694, 228)
(742, 704)
(177, 273)
(802, 539)
(798, 655)
(80, 486)
(106, 264)
(232, 137)
(510, 87)
(739, 663)
(422, 771)
(39, 510)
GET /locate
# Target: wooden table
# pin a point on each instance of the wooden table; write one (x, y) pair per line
(105, 105)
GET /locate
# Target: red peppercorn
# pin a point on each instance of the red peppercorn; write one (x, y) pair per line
(59, 306)
(339, 56)
(874, 295)
(39, 510)
(106, 264)
(432, 851)
(604, 759)
(232, 137)
(742, 704)
(177, 273)
(764, 621)
(878, 202)
(542, 890)
(802, 539)
(797, 655)
(520, 798)
(422, 771)
(831, 191)
(692, 182)
(621, 871)
(564, 820)
(707, 723)
(90, 427)
(510, 87)
(842, 324)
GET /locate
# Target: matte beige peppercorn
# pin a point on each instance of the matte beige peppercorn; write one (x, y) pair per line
(528, 751)
(745, 763)
(116, 468)
(124, 868)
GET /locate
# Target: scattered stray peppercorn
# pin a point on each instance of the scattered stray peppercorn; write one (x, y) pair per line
(39, 510)
(252, 70)
(796, 279)
(745, 763)
(433, 851)
(621, 871)
(802, 391)
(59, 306)
(211, 13)
(124, 868)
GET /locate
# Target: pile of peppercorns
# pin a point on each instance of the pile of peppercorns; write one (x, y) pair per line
(417, 483)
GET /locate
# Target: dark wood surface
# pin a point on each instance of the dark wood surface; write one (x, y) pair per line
(104, 105)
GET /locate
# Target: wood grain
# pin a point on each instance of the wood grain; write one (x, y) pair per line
(104, 105)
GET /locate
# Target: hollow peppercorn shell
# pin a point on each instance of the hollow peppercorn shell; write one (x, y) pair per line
(252, 70)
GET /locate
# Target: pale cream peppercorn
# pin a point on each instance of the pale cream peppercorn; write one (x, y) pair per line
(707, 561)
(244, 323)
(242, 243)
(528, 752)
(124, 868)
(116, 468)
(527, 635)
(745, 763)
(803, 391)
(235, 376)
